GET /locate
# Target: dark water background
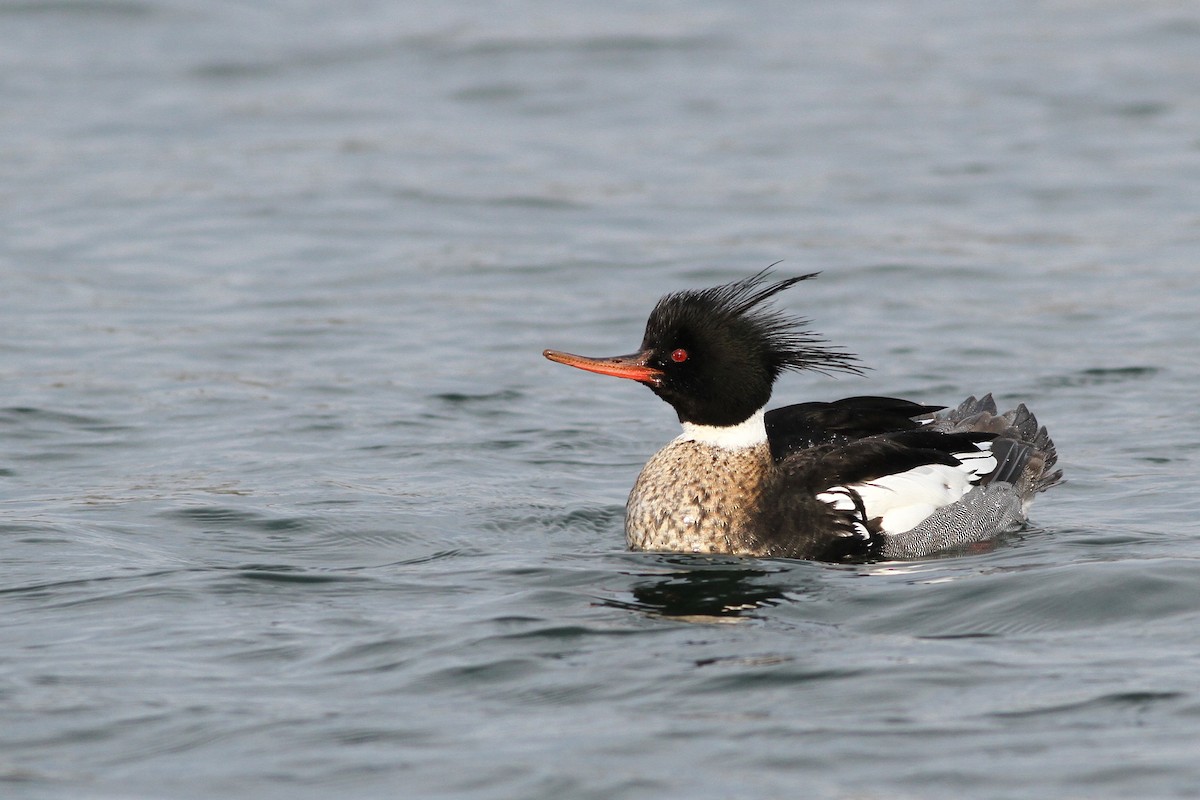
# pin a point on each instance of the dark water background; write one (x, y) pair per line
(291, 506)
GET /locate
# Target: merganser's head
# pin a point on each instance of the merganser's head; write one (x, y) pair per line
(714, 354)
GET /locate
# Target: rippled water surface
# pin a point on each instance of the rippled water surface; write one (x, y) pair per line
(291, 506)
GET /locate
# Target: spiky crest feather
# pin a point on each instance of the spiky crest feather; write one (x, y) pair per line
(787, 342)
(736, 345)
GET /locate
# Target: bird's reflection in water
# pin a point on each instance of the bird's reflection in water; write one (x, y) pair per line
(708, 589)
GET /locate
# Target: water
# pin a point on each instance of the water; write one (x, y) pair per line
(291, 505)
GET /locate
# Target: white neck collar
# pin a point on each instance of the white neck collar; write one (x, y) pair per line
(748, 433)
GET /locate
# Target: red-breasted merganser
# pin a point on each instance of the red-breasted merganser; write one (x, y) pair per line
(863, 478)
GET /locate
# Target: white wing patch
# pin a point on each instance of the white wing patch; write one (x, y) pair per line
(903, 500)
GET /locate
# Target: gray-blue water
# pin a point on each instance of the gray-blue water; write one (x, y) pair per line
(291, 506)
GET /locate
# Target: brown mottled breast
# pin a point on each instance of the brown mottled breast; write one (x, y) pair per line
(697, 498)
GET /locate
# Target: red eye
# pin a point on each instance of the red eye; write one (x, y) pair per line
(679, 356)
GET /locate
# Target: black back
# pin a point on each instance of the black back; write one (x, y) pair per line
(791, 429)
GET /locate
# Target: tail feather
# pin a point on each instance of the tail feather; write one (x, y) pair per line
(1025, 454)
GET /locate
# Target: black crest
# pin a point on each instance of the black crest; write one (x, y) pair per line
(737, 343)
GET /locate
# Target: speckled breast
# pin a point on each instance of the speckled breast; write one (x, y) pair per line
(696, 498)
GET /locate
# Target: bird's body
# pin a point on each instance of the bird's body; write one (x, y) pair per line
(860, 478)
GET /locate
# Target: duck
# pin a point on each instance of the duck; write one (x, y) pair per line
(861, 479)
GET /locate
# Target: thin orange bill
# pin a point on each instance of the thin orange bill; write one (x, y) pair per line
(632, 366)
